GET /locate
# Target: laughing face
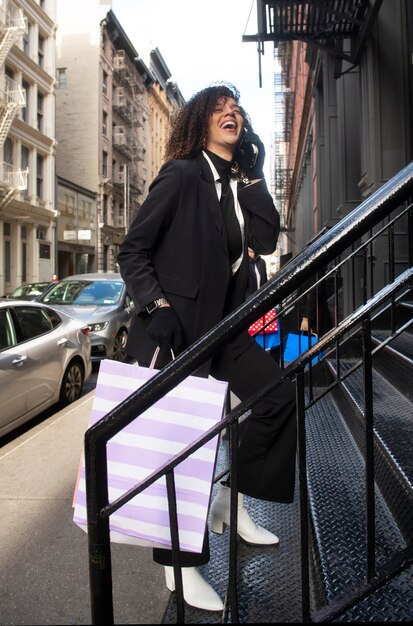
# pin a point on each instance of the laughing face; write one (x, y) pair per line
(226, 126)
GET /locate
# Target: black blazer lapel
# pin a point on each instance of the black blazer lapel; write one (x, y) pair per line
(209, 195)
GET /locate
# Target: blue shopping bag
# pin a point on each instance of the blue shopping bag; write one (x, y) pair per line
(297, 343)
(268, 341)
(266, 330)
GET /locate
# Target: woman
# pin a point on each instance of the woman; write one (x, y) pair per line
(257, 273)
(185, 264)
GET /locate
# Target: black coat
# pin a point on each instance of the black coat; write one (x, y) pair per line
(176, 248)
(261, 266)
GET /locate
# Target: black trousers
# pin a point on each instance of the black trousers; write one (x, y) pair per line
(267, 450)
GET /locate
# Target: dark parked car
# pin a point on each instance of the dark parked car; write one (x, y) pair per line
(30, 291)
(101, 301)
(44, 359)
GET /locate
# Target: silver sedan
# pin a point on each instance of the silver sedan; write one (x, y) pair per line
(101, 301)
(44, 360)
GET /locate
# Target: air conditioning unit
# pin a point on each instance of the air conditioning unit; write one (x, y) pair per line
(119, 60)
(120, 97)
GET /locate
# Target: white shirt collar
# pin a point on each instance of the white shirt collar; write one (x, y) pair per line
(234, 187)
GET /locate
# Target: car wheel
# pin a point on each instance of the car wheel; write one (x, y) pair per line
(119, 346)
(72, 383)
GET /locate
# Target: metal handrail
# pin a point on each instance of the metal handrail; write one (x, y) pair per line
(303, 266)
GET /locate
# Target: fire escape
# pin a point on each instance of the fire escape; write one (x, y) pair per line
(128, 105)
(127, 183)
(338, 27)
(12, 98)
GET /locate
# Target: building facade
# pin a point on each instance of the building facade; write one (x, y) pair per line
(77, 228)
(111, 120)
(164, 98)
(27, 142)
(347, 113)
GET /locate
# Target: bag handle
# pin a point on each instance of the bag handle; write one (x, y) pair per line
(305, 334)
(155, 356)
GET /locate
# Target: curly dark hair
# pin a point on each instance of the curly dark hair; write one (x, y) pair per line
(189, 128)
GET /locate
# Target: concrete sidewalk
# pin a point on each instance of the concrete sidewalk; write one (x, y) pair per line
(44, 576)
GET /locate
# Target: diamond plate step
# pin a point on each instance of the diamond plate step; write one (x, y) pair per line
(393, 427)
(395, 361)
(336, 484)
(269, 578)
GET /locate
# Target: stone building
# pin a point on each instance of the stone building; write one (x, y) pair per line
(112, 114)
(27, 142)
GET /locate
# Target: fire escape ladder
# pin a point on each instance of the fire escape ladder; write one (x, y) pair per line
(12, 182)
(12, 97)
(12, 27)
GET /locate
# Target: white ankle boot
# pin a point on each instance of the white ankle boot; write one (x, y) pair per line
(246, 528)
(197, 592)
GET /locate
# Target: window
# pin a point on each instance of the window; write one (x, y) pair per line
(105, 123)
(40, 51)
(105, 209)
(61, 78)
(40, 111)
(69, 204)
(104, 163)
(25, 109)
(39, 176)
(7, 336)
(7, 252)
(24, 165)
(44, 251)
(34, 322)
(105, 258)
(24, 157)
(23, 233)
(105, 82)
(122, 172)
(8, 151)
(9, 73)
(26, 40)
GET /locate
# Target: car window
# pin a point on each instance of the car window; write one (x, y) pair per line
(54, 317)
(33, 289)
(85, 292)
(64, 292)
(7, 334)
(34, 321)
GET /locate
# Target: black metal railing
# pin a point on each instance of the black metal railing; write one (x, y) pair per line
(325, 252)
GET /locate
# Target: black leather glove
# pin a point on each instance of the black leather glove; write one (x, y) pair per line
(250, 155)
(165, 329)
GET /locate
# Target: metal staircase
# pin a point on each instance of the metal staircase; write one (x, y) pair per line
(346, 550)
(270, 580)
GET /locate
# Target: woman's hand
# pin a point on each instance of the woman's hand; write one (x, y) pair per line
(250, 155)
(165, 329)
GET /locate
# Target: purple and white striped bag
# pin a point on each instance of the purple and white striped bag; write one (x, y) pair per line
(161, 432)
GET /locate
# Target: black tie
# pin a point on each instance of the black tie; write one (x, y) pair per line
(231, 221)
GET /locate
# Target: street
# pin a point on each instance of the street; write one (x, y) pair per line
(43, 555)
(28, 426)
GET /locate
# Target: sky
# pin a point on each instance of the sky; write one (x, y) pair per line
(201, 43)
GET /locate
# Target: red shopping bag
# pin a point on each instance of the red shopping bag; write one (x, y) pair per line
(266, 324)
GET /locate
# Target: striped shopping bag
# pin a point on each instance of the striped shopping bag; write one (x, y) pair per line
(152, 439)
